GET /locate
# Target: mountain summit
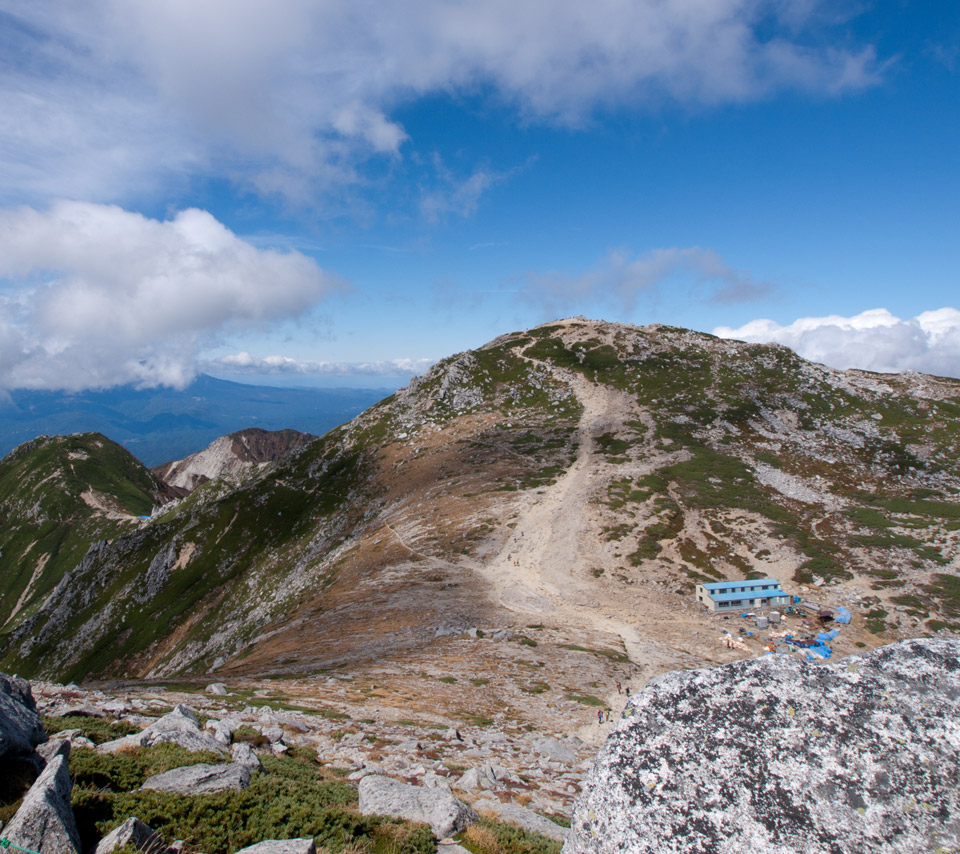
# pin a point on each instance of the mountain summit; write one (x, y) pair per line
(581, 477)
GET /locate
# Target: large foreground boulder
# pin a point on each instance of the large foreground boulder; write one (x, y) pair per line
(20, 727)
(780, 755)
(437, 807)
(45, 821)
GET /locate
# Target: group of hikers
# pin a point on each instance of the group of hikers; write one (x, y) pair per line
(603, 715)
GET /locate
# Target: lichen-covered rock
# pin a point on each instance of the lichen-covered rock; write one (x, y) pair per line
(780, 755)
(20, 726)
(437, 807)
(45, 821)
(200, 779)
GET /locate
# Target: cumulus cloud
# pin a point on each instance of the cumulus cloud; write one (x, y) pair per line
(100, 97)
(244, 363)
(622, 278)
(874, 340)
(95, 296)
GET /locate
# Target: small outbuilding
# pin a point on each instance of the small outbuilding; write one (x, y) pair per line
(736, 595)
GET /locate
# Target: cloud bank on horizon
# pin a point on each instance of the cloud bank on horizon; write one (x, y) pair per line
(873, 340)
(203, 185)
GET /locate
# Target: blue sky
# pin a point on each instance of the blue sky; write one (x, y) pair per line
(339, 193)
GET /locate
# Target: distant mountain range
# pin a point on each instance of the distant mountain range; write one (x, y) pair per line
(158, 425)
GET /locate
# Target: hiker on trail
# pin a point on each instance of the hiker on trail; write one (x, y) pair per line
(599, 716)
(608, 715)
(618, 687)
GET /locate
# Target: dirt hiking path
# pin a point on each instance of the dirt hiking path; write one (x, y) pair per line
(544, 570)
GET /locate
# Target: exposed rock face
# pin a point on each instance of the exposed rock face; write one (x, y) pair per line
(235, 454)
(200, 779)
(778, 755)
(45, 821)
(437, 807)
(20, 726)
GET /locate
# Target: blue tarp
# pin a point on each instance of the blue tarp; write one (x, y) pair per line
(827, 636)
(843, 616)
(820, 649)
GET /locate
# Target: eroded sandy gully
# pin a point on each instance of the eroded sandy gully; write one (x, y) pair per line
(543, 570)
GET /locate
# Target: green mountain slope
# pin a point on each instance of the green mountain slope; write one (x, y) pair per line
(58, 496)
(581, 473)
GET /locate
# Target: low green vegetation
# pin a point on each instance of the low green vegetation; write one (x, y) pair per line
(294, 797)
(613, 655)
(586, 699)
(98, 730)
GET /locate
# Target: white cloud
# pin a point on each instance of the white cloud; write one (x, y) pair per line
(874, 340)
(94, 296)
(99, 98)
(623, 277)
(244, 363)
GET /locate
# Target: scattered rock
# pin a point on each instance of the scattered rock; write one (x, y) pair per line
(777, 754)
(273, 734)
(243, 754)
(218, 689)
(180, 726)
(553, 749)
(49, 750)
(45, 819)
(132, 832)
(437, 807)
(522, 817)
(220, 731)
(280, 846)
(200, 779)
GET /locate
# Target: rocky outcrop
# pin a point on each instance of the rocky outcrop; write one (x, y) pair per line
(45, 821)
(785, 756)
(200, 779)
(437, 807)
(236, 454)
(20, 727)
(181, 727)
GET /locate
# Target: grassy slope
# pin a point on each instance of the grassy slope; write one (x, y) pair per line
(45, 526)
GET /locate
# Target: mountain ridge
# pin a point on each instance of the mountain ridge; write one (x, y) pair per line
(619, 465)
